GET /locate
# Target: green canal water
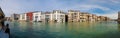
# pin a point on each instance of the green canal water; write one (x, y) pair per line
(109, 29)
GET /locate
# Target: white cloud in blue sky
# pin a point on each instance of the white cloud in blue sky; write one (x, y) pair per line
(100, 7)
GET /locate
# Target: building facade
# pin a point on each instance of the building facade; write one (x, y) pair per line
(77, 16)
(46, 17)
(85, 17)
(15, 17)
(73, 15)
(55, 16)
(29, 16)
(23, 17)
(37, 16)
(103, 18)
(60, 16)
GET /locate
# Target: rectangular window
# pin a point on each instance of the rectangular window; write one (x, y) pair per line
(36, 16)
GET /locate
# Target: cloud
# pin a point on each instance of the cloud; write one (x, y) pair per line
(102, 7)
(115, 1)
(10, 6)
(94, 6)
(110, 15)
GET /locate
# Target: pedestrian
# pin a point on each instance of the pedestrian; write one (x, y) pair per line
(7, 30)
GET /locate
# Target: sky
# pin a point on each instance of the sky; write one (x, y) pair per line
(107, 8)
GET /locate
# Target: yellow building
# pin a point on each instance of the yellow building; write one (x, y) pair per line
(77, 16)
(84, 17)
(73, 15)
(104, 18)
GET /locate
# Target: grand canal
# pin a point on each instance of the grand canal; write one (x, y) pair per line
(109, 29)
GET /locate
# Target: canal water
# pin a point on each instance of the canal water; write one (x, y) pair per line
(109, 29)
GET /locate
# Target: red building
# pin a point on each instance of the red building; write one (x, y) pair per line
(29, 16)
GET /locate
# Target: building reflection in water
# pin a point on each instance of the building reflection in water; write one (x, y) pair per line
(118, 22)
(119, 26)
(0, 26)
(30, 26)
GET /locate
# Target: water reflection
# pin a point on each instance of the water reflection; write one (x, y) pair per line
(118, 25)
(118, 22)
(0, 26)
(30, 26)
(65, 30)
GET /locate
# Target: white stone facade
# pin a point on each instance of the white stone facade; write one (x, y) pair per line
(53, 16)
(23, 17)
(37, 16)
(59, 16)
